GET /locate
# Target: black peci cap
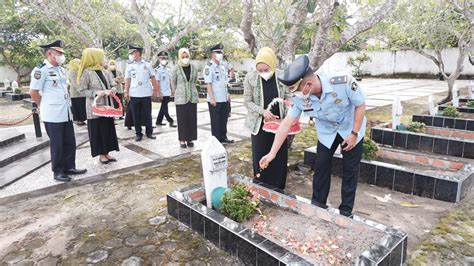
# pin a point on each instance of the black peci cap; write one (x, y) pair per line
(133, 47)
(163, 53)
(217, 47)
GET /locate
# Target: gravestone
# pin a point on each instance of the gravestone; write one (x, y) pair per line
(6, 84)
(14, 86)
(214, 167)
(455, 96)
(397, 110)
(432, 106)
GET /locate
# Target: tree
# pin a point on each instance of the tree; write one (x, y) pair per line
(323, 27)
(428, 27)
(18, 35)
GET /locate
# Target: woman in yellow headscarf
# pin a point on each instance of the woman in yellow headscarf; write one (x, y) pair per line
(183, 82)
(78, 101)
(94, 81)
(260, 88)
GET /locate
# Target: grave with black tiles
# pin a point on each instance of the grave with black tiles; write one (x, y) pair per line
(188, 205)
(192, 206)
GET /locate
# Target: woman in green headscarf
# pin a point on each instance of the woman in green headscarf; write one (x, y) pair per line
(260, 88)
(183, 82)
(94, 81)
(78, 101)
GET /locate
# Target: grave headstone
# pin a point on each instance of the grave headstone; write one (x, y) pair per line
(214, 167)
(432, 106)
(397, 110)
(14, 86)
(6, 84)
(455, 96)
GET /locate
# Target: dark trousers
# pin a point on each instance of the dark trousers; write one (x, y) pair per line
(219, 115)
(164, 111)
(63, 146)
(322, 174)
(141, 106)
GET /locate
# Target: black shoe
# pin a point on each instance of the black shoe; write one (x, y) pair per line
(129, 128)
(62, 178)
(227, 141)
(161, 124)
(172, 124)
(190, 144)
(104, 162)
(151, 137)
(346, 213)
(111, 160)
(183, 145)
(320, 205)
(138, 138)
(75, 171)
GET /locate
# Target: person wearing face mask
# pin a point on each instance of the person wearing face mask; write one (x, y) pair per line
(94, 81)
(117, 76)
(49, 79)
(78, 101)
(186, 98)
(337, 103)
(260, 88)
(163, 77)
(140, 86)
(215, 77)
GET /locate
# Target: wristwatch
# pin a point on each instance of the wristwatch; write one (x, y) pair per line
(354, 133)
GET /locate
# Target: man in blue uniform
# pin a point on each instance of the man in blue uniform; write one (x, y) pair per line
(48, 89)
(140, 86)
(215, 77)
(163, 77)
(337, 104)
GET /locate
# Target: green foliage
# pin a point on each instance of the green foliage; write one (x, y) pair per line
(416, 127)
(470, 104)
(356, 62)
(18, 91)
(369, 149)
(239, 203)
(450, 111)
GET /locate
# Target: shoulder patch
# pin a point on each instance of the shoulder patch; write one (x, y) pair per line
(37, 74)
(339, 80)
(206, 71)
(354, 86)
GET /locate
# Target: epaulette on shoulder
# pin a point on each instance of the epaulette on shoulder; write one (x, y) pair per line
(41, 65)
(339, 80)
(209, 63)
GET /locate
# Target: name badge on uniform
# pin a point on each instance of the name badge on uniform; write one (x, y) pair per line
(307, 107)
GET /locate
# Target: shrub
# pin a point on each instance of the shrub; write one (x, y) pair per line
(239, 203)
(369, 149)
(416, 127)
(470, 104)
(450, 111)
(18, 91)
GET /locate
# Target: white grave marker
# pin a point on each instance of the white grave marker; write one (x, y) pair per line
(14, 85)
(6, 84)
(397, 110)
(432, 106)
(214, 167)
(455, 96)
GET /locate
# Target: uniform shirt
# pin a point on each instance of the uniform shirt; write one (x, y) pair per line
(216, 75)
(163, 76)
(51, 82)
(140, 73)
(334, 112)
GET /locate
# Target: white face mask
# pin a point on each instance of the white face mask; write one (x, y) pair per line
(219, 57)
(185, 61)
(164, 62)
(112, 68)
(131, 57)
(300, 94)
(266, 75)
(60, 59)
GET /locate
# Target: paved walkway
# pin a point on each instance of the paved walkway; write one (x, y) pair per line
(380, 92)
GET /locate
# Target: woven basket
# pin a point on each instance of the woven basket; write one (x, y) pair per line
(272, 126)
(107, 110)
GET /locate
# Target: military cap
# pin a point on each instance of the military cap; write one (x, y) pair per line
(217, 47)
(56, 45)
(163, 53)
(295, 72)
(133, 47)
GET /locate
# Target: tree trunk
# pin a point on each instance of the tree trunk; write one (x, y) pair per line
(449, 97)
